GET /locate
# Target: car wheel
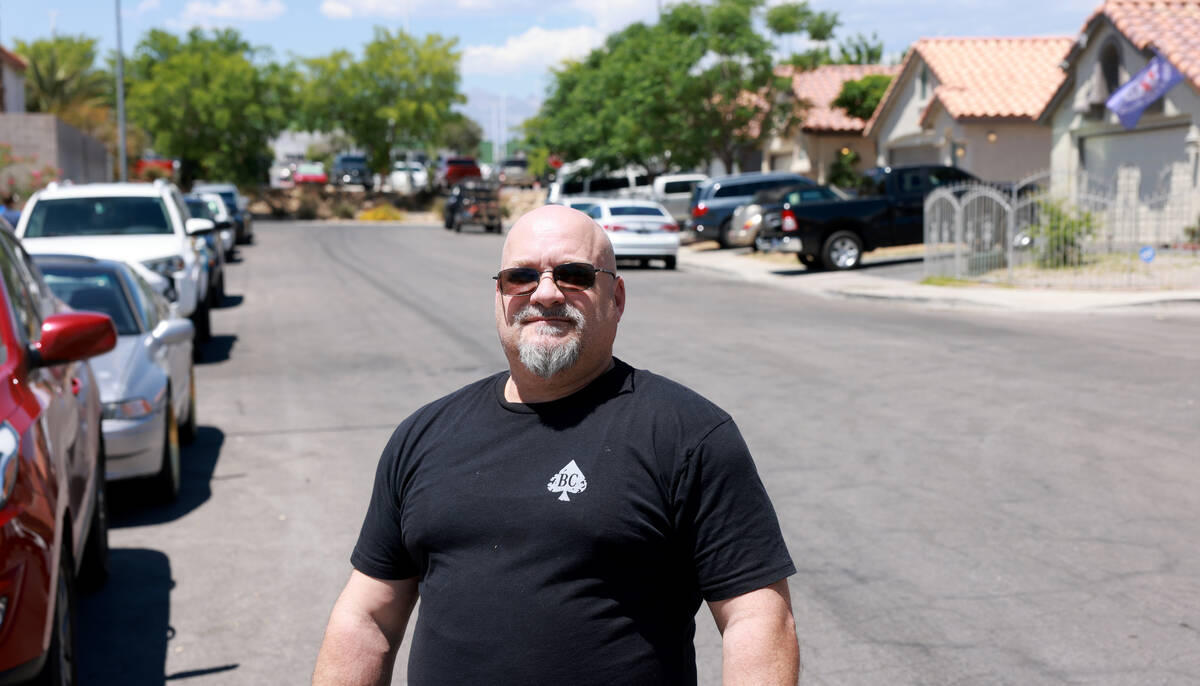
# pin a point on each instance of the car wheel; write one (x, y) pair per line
(166, 482)
(670, 261)
(60, 668)
(723, 234)
(457, 224)
(842, 250)
(93, 572)
(202, 319)
(187, 432)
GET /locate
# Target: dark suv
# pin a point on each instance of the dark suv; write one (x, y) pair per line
(714, 200)
(351, 169)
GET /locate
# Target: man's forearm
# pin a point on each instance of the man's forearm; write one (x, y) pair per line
(355, 652)
(760, 652)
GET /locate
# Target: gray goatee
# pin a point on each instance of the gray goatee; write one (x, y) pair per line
(547, 359)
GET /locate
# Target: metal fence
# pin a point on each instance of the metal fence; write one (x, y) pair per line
(1068, 231)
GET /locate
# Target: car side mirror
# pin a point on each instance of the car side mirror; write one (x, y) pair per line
(72, 336)
(195, 226)
(173, 331)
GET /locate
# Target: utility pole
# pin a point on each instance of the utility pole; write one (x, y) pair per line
(122, 162)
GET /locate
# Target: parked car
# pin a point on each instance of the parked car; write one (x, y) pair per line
(223, 219)
(243, 223)
(52, 496)
(454, 169)
(674, 192)
(576, 178)
(473, 201)
(714, 201)
(214, 252)
(579, 202)
(407, 178)
(145, 222)
(351, 170)
(833, 234)
(514, 171)
(310, 172)
(747, 219)
(146, 381)
(640, 230)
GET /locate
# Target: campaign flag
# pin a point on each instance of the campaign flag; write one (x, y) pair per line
(1150, 84)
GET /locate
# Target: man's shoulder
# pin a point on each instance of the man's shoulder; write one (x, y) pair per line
(666, 393)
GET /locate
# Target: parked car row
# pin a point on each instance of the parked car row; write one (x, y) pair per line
(106, 294)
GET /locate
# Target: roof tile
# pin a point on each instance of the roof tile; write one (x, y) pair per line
(1171, 26)
(821, 86)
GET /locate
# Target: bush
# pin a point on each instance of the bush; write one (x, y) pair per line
(1059, 234)
(343, 210)
(381, 213)
(307, 208)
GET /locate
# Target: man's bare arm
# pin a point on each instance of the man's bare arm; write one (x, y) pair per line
(758, 637)
(364, 631)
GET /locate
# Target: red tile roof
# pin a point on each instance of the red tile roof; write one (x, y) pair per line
(986, 78)
(1171, 26)
(13, 59)
(821, 86)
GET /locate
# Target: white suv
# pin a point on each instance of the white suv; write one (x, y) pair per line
(146, 224)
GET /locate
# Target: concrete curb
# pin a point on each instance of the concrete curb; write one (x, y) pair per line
(861, 286)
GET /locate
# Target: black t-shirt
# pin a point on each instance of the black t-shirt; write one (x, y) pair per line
(568, 542)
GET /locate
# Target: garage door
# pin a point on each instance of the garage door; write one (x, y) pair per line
(1150, 151)
(919, 154)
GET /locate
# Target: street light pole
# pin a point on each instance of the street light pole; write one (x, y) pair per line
(122, 163)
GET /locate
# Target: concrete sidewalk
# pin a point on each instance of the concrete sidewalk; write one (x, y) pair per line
(861, 284)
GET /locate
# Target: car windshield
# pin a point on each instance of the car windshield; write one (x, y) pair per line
(198, 208)
(92, 289)
(516, 163)
(98, 217)
(634, 211)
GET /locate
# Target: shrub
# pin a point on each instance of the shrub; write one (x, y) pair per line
(381, 213)
(1059, 234)
(307, 208)
(343, 210)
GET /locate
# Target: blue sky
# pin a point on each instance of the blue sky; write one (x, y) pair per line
(507, 45)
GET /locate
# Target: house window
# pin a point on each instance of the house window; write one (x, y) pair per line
(1106, 79)
(924, 82)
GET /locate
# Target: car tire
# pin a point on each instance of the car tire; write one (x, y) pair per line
(93, 571)
(166, 483)
(202, 319)
(842, 250)
(669, 261)
(723, 234)
(61, 667)
(457, 224)
(187, 431)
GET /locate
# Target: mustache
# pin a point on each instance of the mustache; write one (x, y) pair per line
(564, 311)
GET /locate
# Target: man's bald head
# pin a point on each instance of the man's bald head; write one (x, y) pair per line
(557, 227)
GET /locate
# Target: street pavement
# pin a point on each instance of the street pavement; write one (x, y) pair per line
(972, 494)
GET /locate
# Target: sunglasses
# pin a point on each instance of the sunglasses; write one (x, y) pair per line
(572, 276)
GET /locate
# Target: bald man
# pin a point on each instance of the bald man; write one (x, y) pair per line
(563, 520)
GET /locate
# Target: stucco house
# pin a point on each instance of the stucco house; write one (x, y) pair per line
(972, 103)
(12, 81)
(827, 131)
(1117, 41)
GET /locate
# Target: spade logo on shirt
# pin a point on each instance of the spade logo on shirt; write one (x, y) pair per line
(568, 480)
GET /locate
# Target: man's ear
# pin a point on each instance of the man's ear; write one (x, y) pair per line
(619, 295)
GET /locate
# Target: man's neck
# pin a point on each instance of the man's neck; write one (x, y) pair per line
(523, 387)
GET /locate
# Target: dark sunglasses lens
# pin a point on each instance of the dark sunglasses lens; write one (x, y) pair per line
(575, 275)
(517, 280)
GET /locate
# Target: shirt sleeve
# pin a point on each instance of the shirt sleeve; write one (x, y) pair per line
(730, 524)
(380, 551)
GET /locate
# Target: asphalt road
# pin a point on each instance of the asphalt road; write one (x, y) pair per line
(970, 498)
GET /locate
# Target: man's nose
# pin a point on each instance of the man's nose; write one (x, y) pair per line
(547, 292)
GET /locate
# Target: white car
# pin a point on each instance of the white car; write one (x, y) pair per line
(223, 218)
(144, 223)
(398, 179)
(640, 230)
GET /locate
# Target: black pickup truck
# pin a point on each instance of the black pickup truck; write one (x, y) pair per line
(834, 233)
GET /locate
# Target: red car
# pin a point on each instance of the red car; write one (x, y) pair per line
(53, 514)
(310, 172)
(455, 169)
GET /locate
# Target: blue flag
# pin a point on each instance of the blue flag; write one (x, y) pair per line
(1150, 84)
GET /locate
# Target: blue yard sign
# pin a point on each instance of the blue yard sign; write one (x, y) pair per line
(1147, 253)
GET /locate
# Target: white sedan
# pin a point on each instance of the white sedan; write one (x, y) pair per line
(640, 230)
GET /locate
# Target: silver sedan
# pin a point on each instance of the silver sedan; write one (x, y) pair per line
(146, 382)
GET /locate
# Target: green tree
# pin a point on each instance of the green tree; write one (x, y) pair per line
(461, 133)
(701, 83)
(860, 98)
(211, 100)
(859, 49)
(399, 94)
(63, 80)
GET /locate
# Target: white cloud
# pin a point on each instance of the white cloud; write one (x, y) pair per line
(146, 6)
(223, 12)
(614, 15)
(532, 51)
(344, 9)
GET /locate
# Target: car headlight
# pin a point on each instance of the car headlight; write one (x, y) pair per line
(10, 448)
(134, 408)
(166, 266)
